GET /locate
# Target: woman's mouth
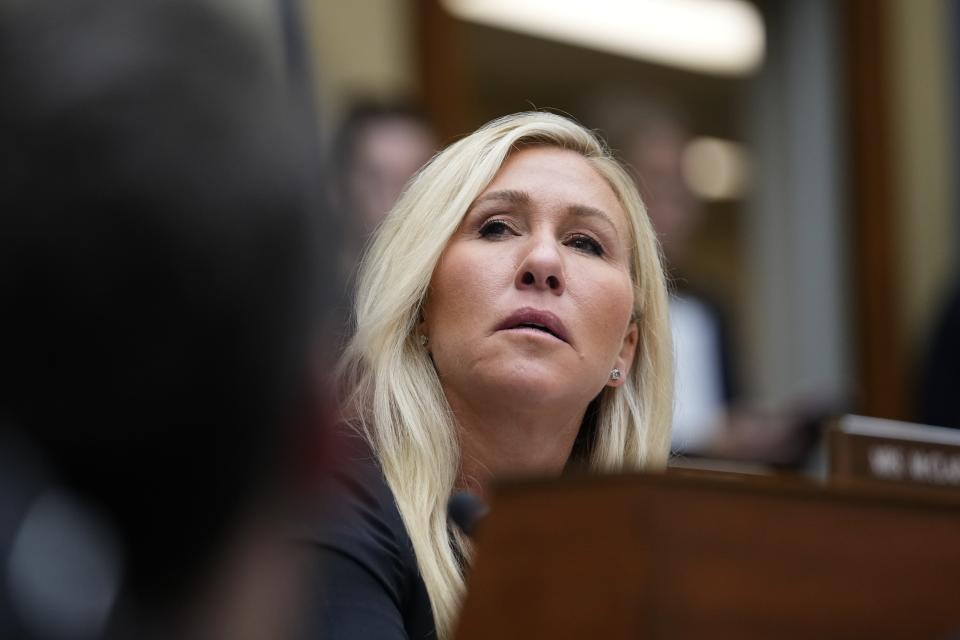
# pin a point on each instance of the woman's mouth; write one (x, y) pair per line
(539, 320)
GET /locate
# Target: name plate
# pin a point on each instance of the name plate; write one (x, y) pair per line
(865, 449)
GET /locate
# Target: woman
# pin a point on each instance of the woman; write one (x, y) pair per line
(511, 319)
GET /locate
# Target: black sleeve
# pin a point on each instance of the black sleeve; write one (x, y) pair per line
(939, 401)
(364, 581)
(346, 601)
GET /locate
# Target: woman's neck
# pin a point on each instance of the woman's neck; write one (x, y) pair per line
(503, 442)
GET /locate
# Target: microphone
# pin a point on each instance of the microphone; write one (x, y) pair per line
(466, 510)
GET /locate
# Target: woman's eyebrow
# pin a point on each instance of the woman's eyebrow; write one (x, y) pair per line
(514, 196)
(582, 210)
(507, 195)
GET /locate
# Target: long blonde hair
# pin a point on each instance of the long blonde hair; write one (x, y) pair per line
(392, 392)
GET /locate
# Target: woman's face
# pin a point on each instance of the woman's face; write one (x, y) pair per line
(531, 301)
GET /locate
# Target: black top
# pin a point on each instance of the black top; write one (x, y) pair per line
(366, 582)
(939, 402)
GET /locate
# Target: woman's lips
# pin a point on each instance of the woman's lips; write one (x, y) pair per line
(537, 320)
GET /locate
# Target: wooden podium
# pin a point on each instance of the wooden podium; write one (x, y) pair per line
(661, 556)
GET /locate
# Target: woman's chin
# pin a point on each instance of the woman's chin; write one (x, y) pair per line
(533, 383)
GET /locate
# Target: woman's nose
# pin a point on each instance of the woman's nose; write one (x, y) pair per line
(542, 268)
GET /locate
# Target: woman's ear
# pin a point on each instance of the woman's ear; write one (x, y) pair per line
(625, 358)
(423, 328)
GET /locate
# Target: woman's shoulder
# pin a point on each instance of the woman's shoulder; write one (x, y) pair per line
(354, 515)
(363, 573)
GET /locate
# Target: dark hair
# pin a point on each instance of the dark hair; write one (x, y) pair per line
(363, 114)
(156, 265)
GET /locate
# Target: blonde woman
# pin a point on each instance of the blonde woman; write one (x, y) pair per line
(511, 319)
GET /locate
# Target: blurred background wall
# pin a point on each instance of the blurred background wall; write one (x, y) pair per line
(830, 253)
(364, 49)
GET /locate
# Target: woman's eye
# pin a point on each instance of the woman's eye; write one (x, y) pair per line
(494, 229)
(586, 244)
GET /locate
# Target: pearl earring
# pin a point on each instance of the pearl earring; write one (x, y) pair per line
(424, 340)
(615, 374)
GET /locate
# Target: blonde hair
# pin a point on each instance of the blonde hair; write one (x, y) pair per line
(393, 394)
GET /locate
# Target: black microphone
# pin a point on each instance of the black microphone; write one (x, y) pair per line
(466, 510)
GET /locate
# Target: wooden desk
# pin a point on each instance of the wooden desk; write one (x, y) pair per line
(685, 557)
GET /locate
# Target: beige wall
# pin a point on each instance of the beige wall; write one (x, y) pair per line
(361, 48)
(922, 162)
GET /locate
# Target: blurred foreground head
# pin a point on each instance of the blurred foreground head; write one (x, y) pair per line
(157, 294)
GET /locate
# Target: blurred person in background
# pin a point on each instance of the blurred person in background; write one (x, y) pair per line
(511, 320)
(377, 149)
(704, 381)
(158, 267)
(650, 134)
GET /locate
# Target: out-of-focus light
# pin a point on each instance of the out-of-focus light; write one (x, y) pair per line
(716, 169)
(723, 37)
(64, 569)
